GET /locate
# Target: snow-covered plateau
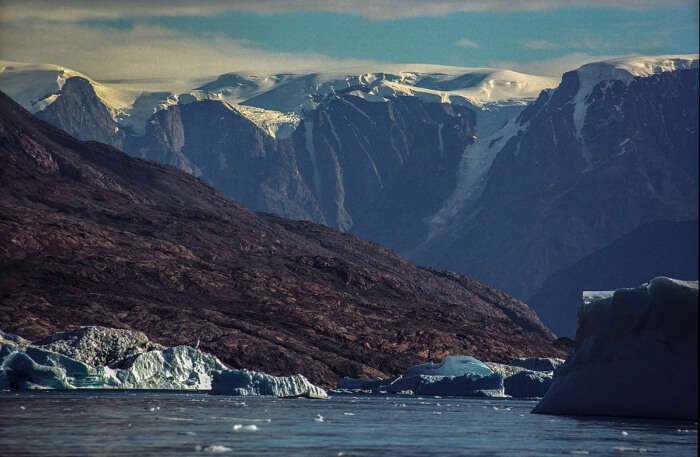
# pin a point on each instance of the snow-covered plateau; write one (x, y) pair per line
(276, 102)
(636, 355)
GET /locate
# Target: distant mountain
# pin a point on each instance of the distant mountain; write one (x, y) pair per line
(613, 147)
(91, 236)
(79, 111)
(504, 176)
(654, 249)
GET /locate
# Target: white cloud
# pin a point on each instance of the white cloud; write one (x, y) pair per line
(72, 10)
(147, 52)
(553, 67)
(465, 43)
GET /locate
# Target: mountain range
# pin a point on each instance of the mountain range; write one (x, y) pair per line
(506, 177)
(91, 236)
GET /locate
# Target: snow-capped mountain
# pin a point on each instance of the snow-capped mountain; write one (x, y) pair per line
(36, 86)
(276, 101)
(613, 147)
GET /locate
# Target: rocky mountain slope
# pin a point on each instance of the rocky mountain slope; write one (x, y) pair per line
(612, 148)
(90, 236)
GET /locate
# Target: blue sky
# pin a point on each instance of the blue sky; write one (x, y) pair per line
(463, 39)
(180, 39)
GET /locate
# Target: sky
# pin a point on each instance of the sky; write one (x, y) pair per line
(177, 39)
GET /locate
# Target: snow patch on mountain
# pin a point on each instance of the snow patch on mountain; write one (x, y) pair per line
(309, 142)
(275, 123)
(471, 176)
(477, 87)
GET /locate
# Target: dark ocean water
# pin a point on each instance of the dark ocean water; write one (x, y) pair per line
(190, 424)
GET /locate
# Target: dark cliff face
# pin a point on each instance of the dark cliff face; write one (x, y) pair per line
(557, 193)
(217, 143)
(349, 163)
(79, 111)
(90, 236)
(372, 164)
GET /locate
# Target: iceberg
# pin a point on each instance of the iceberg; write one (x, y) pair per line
(636, 355)
(528, 384)
(175, 368)
(78, 360)
(466, 385)
(245, 382)
(457, 375)
(98, 346)
(537, 363)
(453, 365)
(504, 369)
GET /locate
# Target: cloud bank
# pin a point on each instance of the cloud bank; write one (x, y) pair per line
(148, 53)
(553, 67)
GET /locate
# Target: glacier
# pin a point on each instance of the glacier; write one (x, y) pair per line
(636, 355)
(245, 383)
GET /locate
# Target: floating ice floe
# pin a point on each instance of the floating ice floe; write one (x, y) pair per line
(636, 355)
(245, 382)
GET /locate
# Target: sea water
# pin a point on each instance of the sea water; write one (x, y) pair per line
(123, 423)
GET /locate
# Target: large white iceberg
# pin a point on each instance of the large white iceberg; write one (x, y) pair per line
(636, 355)
(180, 367)
(46, 365)
(245, 382)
